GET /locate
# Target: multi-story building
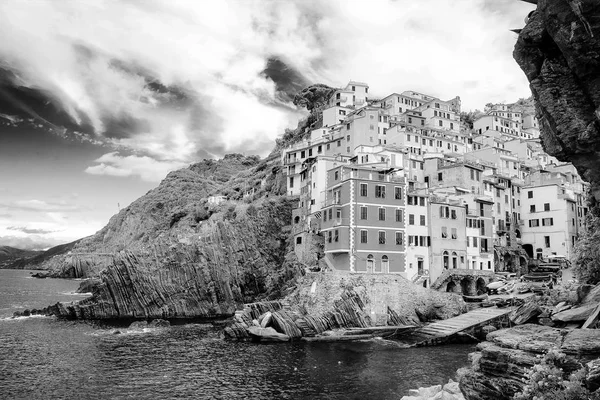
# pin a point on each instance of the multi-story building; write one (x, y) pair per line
(363, 220)
(398, 186)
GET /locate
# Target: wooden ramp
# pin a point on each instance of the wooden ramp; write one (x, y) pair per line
(441, 331)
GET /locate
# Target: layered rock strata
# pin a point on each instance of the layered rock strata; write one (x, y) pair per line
(501, 364)
(231, 260)
(325, 302)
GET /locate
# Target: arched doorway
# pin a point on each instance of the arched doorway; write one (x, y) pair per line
(454, 260)
(385, 264)
(517, 234)
(464, 286)
(370, 263)
(528, 249)
(451, 286)
(446, 259)
(480, 286)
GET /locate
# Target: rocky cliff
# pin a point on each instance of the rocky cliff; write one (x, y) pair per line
(559, 52)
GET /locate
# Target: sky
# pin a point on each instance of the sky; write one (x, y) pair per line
(99, 100)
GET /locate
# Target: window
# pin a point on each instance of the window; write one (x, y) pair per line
(422, 201)
(409, 199)
(339, 143)
(444, 232)
(532, 208)
(546, 206)
(439, 176)
(382, 214)
(384, 263)
(398, 215)
(363, 189)
(380, 191)
(534, 223)
(440, 123)
(453, 214)
(398, 193)
(454, 234)
(363, 236)
(446, 260)
(484, 245)
(299, 240)
(329, 235)
(530, 194)
(363, 212)
(474, 241)
(381, 237)
(422, 220)
(547, 221)
(302, 154)
(292, 182)
(336, 236)
(411, 219)
(472, 173)
(320, 149)
(547, 241)
(399, 238)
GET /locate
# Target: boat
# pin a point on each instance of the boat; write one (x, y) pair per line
(475, 299)
(507, 288)
(494, 286)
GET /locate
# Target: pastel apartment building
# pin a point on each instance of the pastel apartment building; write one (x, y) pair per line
(397, 186)
(363, 221)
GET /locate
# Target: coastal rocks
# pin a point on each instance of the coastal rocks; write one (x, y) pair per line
(237, 260)
(450, 391)
(574, 314)
(502, 363)
(338, 301)
(524, 313)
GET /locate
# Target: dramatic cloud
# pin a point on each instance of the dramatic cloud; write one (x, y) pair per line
(184, 79)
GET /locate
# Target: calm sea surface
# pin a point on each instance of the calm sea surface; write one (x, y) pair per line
(41, 357)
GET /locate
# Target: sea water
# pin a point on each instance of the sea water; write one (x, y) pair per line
(46, 358)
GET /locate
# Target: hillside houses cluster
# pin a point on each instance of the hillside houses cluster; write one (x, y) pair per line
(395, 185)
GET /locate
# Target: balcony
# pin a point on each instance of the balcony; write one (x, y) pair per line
(331, 202)
(341, 221)
(341, 99)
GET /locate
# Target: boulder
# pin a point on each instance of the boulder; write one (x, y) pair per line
(159, 323)
(583, 291)
(533, 338)
(525, 313)
(562, 306)
(265, 319)
(429, 392)
(267, 334)
(592, 379)
(443, 396)
(582, 342)
(451, 387)
(575, 314)
(593, 296)
(138, 325)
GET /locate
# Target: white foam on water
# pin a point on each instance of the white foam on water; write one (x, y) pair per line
(25, 317)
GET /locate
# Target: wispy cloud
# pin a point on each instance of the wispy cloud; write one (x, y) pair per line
(178, 81)
(40, 205)
(31, 231)
(147, 168)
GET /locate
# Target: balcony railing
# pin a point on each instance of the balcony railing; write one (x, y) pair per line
(330, 202)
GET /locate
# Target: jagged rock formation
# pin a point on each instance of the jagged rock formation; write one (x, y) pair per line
(233, 258)
(324, 302)
(559, 51)
(501, 364)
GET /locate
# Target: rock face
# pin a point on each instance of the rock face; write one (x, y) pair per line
(233, 258)
(559, 51)
(323, 302)
(502, 362)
